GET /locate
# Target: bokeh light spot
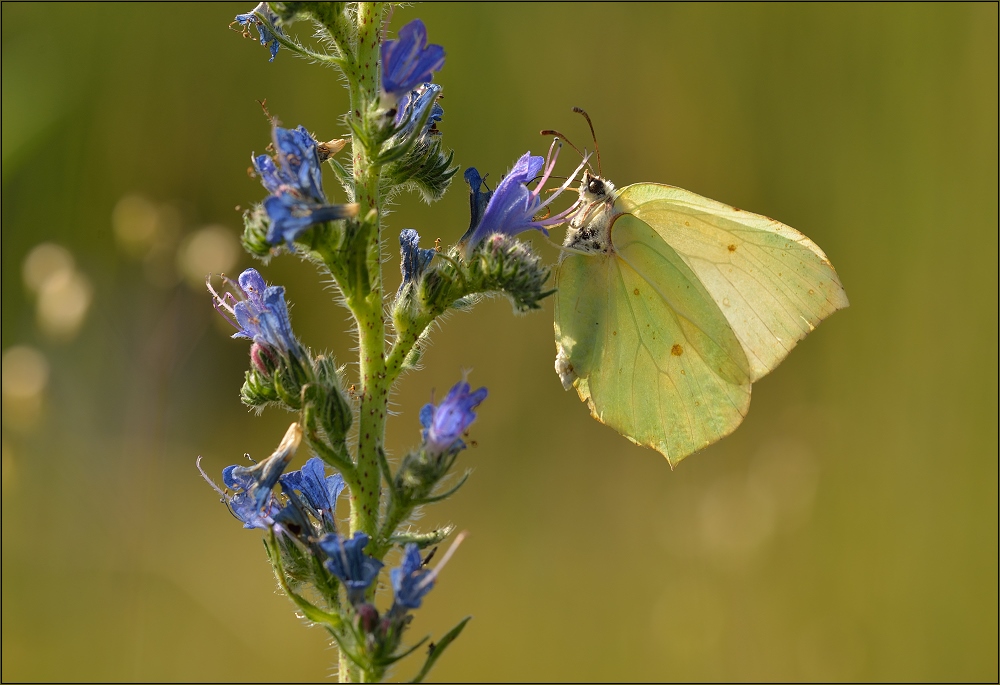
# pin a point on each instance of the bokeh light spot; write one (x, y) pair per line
(25, 375)
(135, 221)
(210, 250)
(63, 302)
(45, 261)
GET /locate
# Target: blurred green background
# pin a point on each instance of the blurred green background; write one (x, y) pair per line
(848, 531)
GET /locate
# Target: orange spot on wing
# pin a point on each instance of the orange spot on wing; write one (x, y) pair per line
(732, 248)
(636, 291)
(676, 350)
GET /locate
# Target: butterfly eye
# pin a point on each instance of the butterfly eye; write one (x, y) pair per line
(596, 186)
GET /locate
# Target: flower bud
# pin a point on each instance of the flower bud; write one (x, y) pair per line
(256, 225)
(263, 359)
(367, 617)
(333, 409)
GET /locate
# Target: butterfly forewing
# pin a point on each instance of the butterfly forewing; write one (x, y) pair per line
(772, 284)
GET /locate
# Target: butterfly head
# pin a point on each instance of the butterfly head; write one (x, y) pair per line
(595, 189)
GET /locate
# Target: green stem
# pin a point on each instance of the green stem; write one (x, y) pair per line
(367, 307)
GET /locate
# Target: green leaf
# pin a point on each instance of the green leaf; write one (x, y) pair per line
(437, 649)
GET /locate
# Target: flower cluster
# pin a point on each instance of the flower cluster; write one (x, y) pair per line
(266, 23)
(294, 178)
(310, 551)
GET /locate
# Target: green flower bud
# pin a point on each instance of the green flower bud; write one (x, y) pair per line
(255, 227)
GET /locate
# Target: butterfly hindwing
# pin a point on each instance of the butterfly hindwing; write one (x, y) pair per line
(646, 346)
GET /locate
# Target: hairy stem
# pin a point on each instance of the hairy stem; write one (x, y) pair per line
(367, 307)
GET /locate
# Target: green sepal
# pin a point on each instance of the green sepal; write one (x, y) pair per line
(335, 412)
(311, 612)
(287, 388)
(448, 493)
(425, 169)
(501, 263)
(437, 649)
(256, 224)
(257, 390)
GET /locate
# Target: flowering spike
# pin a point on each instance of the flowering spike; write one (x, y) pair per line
(444, 424)
(407, 62)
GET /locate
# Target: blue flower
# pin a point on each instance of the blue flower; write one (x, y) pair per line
(407, 62)
(413, 260)
(445, 423)
(298, 166)
(293, 519)
(252, 500)
(347, 560)
(316, 491)
(291, 216)
(478, 199)
(412, 107)
(411, 581)
(268, 30)
(261, 315)
(296, 183)
(512, 208)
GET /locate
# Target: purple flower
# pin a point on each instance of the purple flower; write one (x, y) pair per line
(295, 179)
(513, 207)
(407, 62)
(347, 560)
(314, 490)
(413, 260)
(267, 30)
(445, 423)
(260, 315)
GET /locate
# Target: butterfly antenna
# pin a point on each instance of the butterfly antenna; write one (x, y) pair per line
(550, 132)
(597, 148)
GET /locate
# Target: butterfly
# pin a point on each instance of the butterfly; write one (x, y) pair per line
(670, 305)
